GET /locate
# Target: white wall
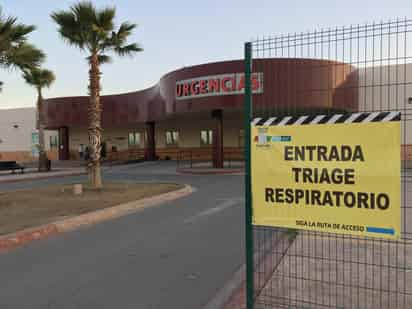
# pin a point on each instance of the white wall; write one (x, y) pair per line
(16, 128)
(189, 127)
(388, 88)
(112, 136)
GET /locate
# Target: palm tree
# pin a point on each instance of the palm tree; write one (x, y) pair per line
(40, 78)
(15, 51)
(93, 30)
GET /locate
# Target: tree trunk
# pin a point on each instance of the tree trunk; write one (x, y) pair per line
(43, 160)
(94, 130)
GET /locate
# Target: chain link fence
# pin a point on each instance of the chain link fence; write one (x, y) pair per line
(361, 68)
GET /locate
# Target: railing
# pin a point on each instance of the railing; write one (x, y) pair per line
(190, 156)
(124, 155)
(136, 154)
(198, 155)
(231, 156)
(206, 155)
(167, 154)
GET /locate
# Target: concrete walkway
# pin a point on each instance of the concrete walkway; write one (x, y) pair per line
(326, 272)
(33, 174)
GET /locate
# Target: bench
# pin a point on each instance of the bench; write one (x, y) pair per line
(11, 166)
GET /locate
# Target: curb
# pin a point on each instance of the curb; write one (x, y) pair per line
(233, 294)
(206, 172)
(20, 238)
(37, 177)
(23, 237)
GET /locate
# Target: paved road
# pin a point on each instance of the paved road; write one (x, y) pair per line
(176, 255)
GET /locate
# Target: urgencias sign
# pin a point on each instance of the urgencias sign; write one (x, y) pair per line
(215, 85)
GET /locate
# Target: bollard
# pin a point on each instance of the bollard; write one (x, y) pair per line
(77, 189)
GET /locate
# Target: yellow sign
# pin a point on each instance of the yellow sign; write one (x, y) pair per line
(339, 178)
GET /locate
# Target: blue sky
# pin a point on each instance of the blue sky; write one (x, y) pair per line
(175, 34)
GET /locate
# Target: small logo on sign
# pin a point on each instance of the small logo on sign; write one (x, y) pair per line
(263, 139)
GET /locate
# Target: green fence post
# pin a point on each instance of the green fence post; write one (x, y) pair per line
(248, 185)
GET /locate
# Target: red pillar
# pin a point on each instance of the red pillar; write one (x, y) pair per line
(150, 151)
(64, 151)
(217, 115)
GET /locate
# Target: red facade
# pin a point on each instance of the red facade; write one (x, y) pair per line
(286, 83)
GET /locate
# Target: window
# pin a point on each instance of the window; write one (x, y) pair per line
(35, 144)
(134, 139)
(54, 142)
(206, 137)
(172, 138)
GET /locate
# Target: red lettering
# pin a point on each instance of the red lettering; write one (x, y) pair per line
(193, 88)
(214, 85)
(255, 83)
(233, 79)
(179, 90)
(229, 83)
(225, 88)
(202, 86)
(241, 85)
(185, 89)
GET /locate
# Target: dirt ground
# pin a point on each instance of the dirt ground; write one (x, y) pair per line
(28, 208)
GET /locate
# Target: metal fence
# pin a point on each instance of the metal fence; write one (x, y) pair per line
(356, 68)
(203, 158)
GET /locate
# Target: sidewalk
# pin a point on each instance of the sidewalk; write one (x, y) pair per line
(33, 174)
(324, 272)
(210, 171)
(328, 270)
(233, 294)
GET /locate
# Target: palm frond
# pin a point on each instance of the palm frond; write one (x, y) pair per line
(19, 32)
(6, 23)
(119, 38)
(23, 56)
(125, 30)
(85, 12)
(39, 78)
(92, 29)
(103, 59)
(85, 26)
(128, 50)
(69, 28)
(14, 50)
(105, 19)
(117, 41)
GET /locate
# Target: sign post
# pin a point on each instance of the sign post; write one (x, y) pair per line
(248, 183)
